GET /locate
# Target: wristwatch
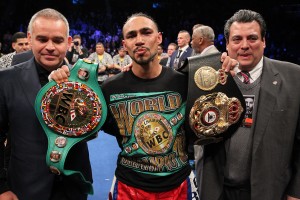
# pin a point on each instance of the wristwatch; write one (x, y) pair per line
(69, 113)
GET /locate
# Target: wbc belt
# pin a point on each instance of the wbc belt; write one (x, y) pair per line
(153, 125)
(215, 105)
(69, 113)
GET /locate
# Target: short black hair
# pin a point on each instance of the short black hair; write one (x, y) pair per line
(245, 16)
(140, 14)
(17, 36)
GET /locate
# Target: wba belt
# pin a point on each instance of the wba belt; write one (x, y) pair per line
(69, 113)
(215, 105)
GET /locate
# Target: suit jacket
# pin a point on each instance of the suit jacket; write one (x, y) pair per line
(275, 165)
(21, 57)
(28, 175)
(184, 55)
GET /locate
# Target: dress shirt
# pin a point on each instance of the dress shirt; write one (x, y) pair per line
(254, 73)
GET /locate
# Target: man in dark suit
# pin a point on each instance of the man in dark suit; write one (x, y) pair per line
(166, 60)
(262, 158)
(178, 57)
(28, 177)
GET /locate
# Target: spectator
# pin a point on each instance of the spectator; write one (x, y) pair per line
(76, 50)
(104, 60)
(19, 44)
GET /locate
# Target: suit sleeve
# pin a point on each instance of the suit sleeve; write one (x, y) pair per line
(294, 185)
(3, 135)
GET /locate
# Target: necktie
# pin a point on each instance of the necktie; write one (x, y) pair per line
(175, 64)
(179, 53)
(246, 77)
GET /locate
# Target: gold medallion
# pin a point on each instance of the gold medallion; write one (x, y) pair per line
(206, 78)
(153, 133)
(212, 114)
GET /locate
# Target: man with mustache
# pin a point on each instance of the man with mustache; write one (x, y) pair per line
(262, 158)
(147, 107)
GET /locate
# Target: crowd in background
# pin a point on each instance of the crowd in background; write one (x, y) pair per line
(103, 23)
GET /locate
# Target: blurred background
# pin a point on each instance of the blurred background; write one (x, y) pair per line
(101, 20)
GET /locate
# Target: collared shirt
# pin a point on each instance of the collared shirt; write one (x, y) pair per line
(254, 73)
(183, 49)
(43, 73)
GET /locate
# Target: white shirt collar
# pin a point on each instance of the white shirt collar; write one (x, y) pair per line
(183, 48)
(254, 73)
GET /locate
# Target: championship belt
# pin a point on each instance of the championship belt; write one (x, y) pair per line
(154, 132)
(215, 105)
(69, 113)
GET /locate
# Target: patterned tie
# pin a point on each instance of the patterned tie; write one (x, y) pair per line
(176, 61)
(246, 77)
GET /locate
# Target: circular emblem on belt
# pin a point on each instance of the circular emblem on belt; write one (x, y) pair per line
(55, 156)
(83, 74)
(212, 114)
(206, 78)
(54, 170)
(209, 115)
(61, 142)
(153, 133)
(71, 108)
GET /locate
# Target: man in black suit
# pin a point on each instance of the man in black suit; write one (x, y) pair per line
(166, 60)
(262, 158)
(28, 177)
(183, 51)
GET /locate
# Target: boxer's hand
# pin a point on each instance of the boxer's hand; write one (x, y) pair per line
(60, 75)
(229, 64)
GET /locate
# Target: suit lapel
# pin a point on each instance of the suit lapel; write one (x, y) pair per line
(183, 56)
(269, 90)
(29, 80)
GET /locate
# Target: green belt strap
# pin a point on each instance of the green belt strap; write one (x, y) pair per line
(69, 113)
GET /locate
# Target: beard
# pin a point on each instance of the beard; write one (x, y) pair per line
(142, 61)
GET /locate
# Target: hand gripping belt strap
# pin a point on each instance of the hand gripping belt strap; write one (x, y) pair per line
(69, 113)
(215, 105)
